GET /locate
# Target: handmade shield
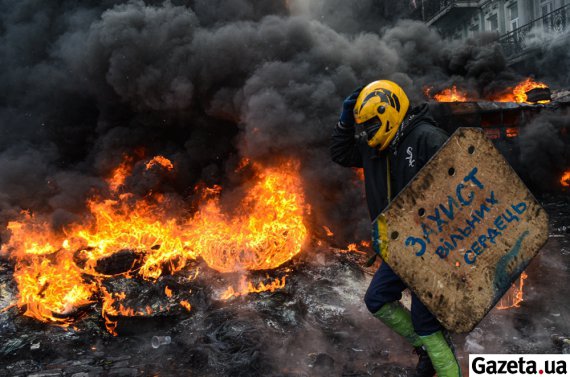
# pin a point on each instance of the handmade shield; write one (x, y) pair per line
(462, 230)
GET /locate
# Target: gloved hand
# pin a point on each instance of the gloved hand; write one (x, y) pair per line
(347, 115)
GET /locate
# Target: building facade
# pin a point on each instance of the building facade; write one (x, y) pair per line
(512, 21)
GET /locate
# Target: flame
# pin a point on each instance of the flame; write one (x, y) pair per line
(160, 161)
(359, 174)
(264, 232)
(56, 272)
(518, 93)
(512, 132)
(353, 247)
(6, 308)
(246, 287)
(514, 296)
(328, 231)
(51, 288)
(48, 280)
(244, 162)
(514, 94)
(141, 228)
(120, 173)
(449, 95)
(167, 291)
(186, 305)
(565, 179)
(113, 307)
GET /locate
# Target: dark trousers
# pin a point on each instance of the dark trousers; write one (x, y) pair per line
(387, 287)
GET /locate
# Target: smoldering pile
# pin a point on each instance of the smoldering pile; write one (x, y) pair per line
(316, 325)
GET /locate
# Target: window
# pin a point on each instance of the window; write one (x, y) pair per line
(514, 11)
(514, 16)
(493, 23)
(546, 8)
(473, 29)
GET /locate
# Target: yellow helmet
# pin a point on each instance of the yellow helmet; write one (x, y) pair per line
(381, 107)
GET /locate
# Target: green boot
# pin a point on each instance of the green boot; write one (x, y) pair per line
(396, 317)
(441, 355)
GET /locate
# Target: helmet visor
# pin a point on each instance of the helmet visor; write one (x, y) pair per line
(371, 127)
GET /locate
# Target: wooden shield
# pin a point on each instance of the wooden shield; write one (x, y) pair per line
(462, 230)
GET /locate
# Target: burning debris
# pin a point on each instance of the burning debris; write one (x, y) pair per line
(565, 179)
(448, 95)
(527, 122)
(527, 91)
(246, 287)
(59, 273)
(515, 296)
(315, 325)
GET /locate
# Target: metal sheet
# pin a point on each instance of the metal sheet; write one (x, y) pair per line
(462, 230)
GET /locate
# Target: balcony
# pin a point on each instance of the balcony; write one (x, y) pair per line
(431, 11)
(520, 41)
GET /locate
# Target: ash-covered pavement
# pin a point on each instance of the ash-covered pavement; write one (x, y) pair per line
(316, 326)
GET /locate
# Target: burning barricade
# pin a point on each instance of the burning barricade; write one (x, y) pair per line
(61, 274)
(527, 91)
(526, 119)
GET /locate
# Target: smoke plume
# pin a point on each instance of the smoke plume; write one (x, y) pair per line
(204, 83)
(542, 151)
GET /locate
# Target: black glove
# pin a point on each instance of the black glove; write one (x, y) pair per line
(347, 115)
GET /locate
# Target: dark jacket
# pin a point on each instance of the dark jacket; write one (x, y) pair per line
(417, 140)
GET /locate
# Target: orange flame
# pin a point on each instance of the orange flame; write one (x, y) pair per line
(242, 164)
(167, 291)
(50, 287)
(48, 280)
(359, 173)
(56, 272)
(160, 161)
(186, 305)
(328, 231)
(518, 93)
(353, 248)
(246, 287)
(514, 297)
(512, 132)
(110, 309)
(514, 94)
(449, 95)
(141, 228)
(565, 179)
(120, 173)
(264, 232)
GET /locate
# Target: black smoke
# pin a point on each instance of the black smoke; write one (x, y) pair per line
(204, 83)
(543, 153)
